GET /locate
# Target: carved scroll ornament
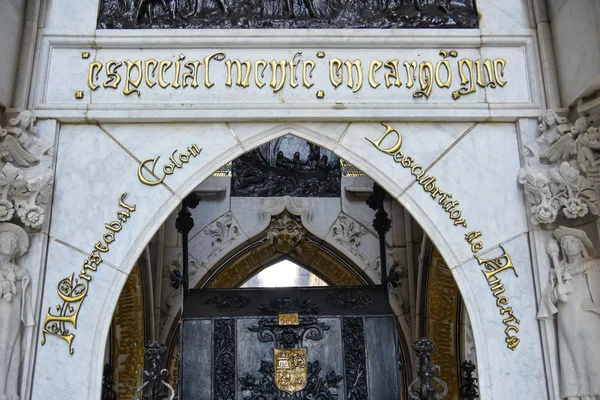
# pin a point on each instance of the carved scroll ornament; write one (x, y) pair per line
(564, 169)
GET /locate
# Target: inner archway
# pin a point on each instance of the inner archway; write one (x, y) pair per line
(232, 263)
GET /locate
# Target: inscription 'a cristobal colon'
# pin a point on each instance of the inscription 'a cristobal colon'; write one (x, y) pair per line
(182, 73)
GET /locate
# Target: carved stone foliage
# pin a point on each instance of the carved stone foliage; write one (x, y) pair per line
(222, 233)
(288, 14)
(317, 386)
(285, 233)
(348, 232)
(564, 170)
(287, 166)
(25, 184)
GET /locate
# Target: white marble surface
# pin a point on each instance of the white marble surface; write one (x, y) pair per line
(253, 135)
(522, 86)
(480, 172)
(203, 248)
(521, 367)
(92, 172)
(147, 141)
(11, 25)
(71, 75)
(211, 205)
(363, 154)
(501, 17)
(575, 30)
(78, 373)
(61, 51)
(76, 16)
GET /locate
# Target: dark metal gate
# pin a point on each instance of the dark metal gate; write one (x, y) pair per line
(229, 337)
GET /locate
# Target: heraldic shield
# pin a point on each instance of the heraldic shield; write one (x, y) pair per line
(290, 369)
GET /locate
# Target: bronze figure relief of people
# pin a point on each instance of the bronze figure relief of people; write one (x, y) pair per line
(289, 14)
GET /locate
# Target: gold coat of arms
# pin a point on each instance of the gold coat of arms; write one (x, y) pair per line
(290, 369)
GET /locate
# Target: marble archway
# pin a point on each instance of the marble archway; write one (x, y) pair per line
(463, 157)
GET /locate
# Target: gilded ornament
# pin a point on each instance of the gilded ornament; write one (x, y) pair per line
(290, 369)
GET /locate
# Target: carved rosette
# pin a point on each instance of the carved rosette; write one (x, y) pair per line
(564, 169)
(25, 185)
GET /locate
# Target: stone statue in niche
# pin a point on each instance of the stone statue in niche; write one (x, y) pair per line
(15, 308)
(573, 294)
(260, 14)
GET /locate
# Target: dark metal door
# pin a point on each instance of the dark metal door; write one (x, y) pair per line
(229, 339)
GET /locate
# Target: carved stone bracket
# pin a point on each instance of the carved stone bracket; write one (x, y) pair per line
(564, 169)
(24, 189)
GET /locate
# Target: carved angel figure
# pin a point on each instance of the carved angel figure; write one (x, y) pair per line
(569, 184)
(15, 308)
(573, 294)
(16, 137)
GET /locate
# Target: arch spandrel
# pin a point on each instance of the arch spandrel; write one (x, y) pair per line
(123, 161)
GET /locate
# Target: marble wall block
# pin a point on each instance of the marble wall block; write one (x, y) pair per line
(479, 172)
(575, 31)
(521, 367)
(57, 373)
(11, 26)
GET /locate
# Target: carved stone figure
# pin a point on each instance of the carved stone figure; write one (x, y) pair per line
(573, 294)
(309, 6)
(286, 232)
(15, 308)
(564, 169)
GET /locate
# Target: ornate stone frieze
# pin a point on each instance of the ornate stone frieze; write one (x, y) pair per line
(287, 14)
(564, 169)
(15, 308)
(347, 232)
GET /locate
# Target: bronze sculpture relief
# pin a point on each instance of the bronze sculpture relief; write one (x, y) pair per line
(318, 14)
